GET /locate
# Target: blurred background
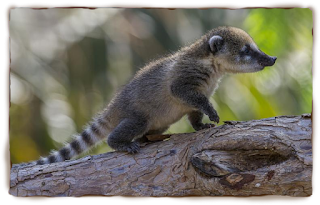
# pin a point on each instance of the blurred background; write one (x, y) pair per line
(66, 64)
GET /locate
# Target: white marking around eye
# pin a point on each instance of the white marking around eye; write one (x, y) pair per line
(243, 48)
(254, 47)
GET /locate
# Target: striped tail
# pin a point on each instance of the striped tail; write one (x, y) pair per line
(91, 135)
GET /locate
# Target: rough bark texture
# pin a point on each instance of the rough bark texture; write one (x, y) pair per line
(259, 157)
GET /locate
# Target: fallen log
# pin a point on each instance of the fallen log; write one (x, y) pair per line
(270, 156)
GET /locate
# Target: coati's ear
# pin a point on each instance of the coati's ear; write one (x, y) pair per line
(215, 43)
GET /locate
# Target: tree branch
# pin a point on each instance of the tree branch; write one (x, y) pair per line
(259, 157)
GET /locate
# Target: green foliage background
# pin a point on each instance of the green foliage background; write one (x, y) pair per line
(66, 64)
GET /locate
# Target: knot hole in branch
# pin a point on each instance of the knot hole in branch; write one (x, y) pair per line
(218, 163)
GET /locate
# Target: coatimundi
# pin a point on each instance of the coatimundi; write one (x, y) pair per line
(167, 89)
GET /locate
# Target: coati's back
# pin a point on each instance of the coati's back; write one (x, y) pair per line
(149, 94)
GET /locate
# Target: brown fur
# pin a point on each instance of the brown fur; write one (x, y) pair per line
(169, 88)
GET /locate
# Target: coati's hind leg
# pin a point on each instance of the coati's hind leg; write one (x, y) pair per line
(144, 138)
(158, 131)
(121, 137)
(195, 118)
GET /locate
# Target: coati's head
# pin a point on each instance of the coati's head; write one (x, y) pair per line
(236, 51)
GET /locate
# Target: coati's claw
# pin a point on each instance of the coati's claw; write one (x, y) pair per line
(133, 148)
(214, 118)
(204, 126)
(208, 125)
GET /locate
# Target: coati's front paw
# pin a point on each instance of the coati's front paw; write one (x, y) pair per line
(214, 117)
(203, 126)
(207, 125)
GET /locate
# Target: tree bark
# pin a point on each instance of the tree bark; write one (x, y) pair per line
(271, 156)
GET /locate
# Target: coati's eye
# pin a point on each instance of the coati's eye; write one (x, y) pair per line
(246, 49)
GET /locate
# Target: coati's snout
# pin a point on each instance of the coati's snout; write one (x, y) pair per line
(236, 52)
(267, 60)
(263, 59)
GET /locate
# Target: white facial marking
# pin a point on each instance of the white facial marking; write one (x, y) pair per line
(254, 47)
(247, 58)
(243, 48)
(238, 59)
